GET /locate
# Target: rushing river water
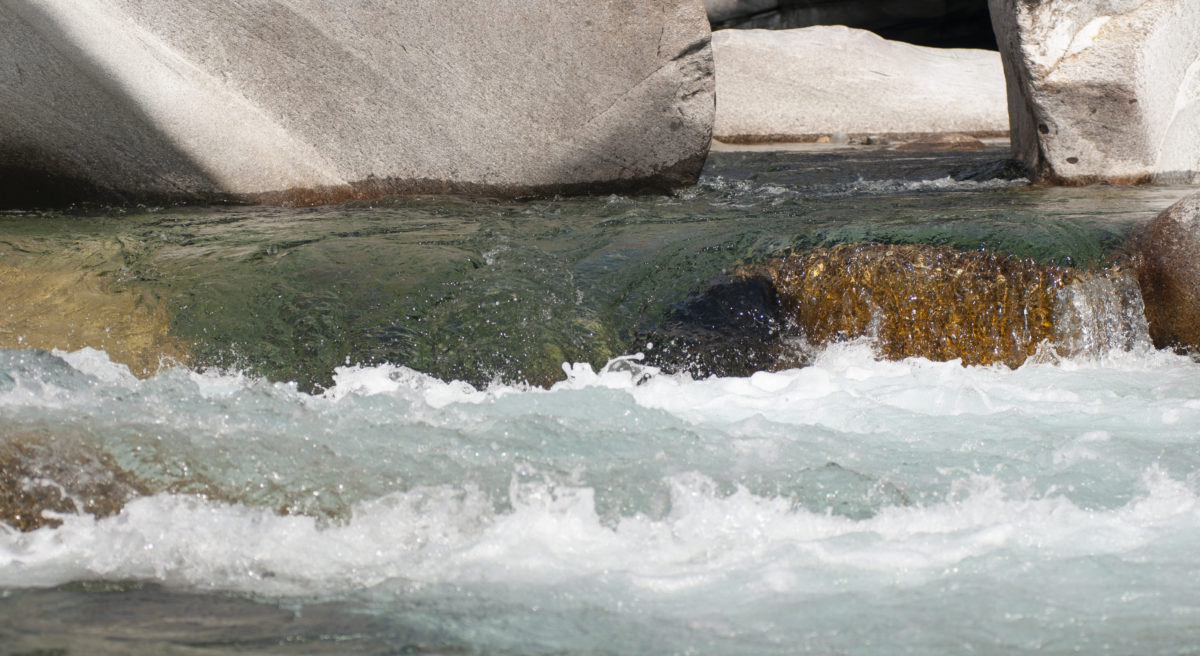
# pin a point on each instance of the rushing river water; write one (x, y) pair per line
(420, 426)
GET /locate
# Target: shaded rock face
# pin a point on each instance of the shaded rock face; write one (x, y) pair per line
(936, 23)
(806, 84)
(303, 101)
(909, 300)
(1103, 90)
(733, 327)
(1167, 256)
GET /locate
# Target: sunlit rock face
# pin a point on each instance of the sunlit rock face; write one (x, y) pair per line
(1167, 253)
(1103, 90)
(810, 83)
(301, 101)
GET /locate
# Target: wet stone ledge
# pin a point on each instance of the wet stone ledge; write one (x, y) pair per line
(909, 300)
(922, 301)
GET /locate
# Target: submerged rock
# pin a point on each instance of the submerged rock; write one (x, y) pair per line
(298, 101)
(40, 474)
(733, 328)
(909, 300)
(920, 300)
(943, 142)
(1101, 90)
(803, 84)
(61, 303)
(1167, 255)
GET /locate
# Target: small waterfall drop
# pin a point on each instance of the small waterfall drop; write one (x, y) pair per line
(1101, 312)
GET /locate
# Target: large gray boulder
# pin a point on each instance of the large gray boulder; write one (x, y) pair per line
(808, 83)
(313, 101)
(1103, 90)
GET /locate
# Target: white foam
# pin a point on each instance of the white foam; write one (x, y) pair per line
(96, 363)
(1045, 462)
(395, 380)
(552, 534)
(747, 191)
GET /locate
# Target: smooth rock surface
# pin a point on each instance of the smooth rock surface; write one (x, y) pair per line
(307, 101)
(803, 84)
(1167, 256)
(1103, 90)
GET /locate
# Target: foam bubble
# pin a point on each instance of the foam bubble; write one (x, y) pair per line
(552, 534)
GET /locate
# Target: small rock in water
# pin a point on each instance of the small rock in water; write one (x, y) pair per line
(38, 474)
(911, 300)
(731, 328)
(1166, 253)
(943, 142)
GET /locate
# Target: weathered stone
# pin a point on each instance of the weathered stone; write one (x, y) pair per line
(1103, 90)
(1167, 255)
(307, 101)
(738, 11)
(802, 84)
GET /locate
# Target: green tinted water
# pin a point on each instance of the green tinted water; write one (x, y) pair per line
(479, 289)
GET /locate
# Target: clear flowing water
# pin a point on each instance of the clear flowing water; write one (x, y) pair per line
(354, 462)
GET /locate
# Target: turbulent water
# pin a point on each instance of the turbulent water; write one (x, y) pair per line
(383, 505)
